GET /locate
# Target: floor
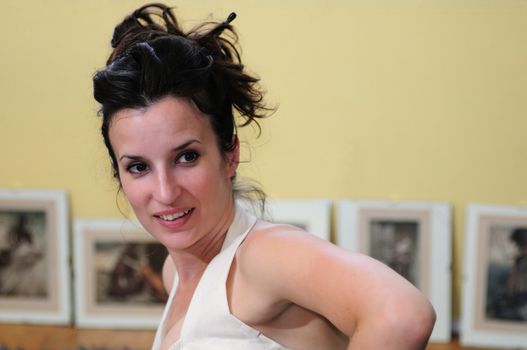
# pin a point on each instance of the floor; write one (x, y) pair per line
(32, 337)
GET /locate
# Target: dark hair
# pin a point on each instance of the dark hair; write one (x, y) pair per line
(153, 58)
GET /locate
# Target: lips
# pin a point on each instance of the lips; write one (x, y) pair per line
(175, 218)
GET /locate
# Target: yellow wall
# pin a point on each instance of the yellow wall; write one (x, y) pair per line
(417, 100)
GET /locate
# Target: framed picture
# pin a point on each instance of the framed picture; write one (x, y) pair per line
(117, 275)
(34, 264)
(312, 216)
(494, 304)
(413, 238)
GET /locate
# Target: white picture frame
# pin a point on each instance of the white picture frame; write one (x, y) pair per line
(34, 254)
(313, 216)
(111, 287)
(414, 238)
(494, 312)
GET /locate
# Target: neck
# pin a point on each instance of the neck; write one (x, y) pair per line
(190, 263)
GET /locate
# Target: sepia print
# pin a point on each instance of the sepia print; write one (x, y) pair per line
(23, 254)
(507, 273)
(396, 243)
(129, 272)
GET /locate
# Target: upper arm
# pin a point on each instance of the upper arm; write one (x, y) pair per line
(351, 290)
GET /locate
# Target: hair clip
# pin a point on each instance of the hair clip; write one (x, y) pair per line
(231, 17)
(220, 27)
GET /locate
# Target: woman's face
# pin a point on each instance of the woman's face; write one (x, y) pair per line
(172, 171)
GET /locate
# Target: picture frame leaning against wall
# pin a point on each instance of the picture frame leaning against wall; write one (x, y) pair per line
(34, 257)
(494, 303)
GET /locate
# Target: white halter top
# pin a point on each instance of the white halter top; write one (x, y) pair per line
(209, 324)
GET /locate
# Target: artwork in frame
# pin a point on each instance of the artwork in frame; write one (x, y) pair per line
(34, 260)
(118, 268)
(413, 238)
(312, 216)
(494, 304)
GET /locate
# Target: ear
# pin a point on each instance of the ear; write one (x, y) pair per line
(233, 158)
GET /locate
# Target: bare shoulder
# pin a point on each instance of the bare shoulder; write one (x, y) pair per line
(281, 259)
(266, 235)
(272, 245)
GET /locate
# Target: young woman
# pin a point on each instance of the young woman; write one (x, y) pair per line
(168, 100)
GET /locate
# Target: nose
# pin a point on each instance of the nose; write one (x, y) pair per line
(167, 188)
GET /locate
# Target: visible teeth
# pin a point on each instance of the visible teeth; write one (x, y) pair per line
(172, 217)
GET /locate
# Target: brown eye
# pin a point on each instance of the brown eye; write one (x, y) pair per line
(137, 168)
(188, 157)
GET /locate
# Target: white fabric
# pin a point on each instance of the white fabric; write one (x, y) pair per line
(209, 323)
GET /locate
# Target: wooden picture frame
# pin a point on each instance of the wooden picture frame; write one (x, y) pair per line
(34, 257)
(494, 303)
(413, 238)
(117, 275)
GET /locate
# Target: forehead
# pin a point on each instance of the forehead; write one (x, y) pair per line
(171, 116)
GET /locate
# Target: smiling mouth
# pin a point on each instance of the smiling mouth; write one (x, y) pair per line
(172, 217)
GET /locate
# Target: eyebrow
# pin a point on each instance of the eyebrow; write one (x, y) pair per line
(175, 149)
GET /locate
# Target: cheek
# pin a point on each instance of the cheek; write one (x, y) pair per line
(134, 193)
(198, 183)
(208, 182)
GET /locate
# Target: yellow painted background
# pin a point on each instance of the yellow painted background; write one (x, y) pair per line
(384, 99)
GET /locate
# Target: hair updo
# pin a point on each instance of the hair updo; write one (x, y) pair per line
(153, 58)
